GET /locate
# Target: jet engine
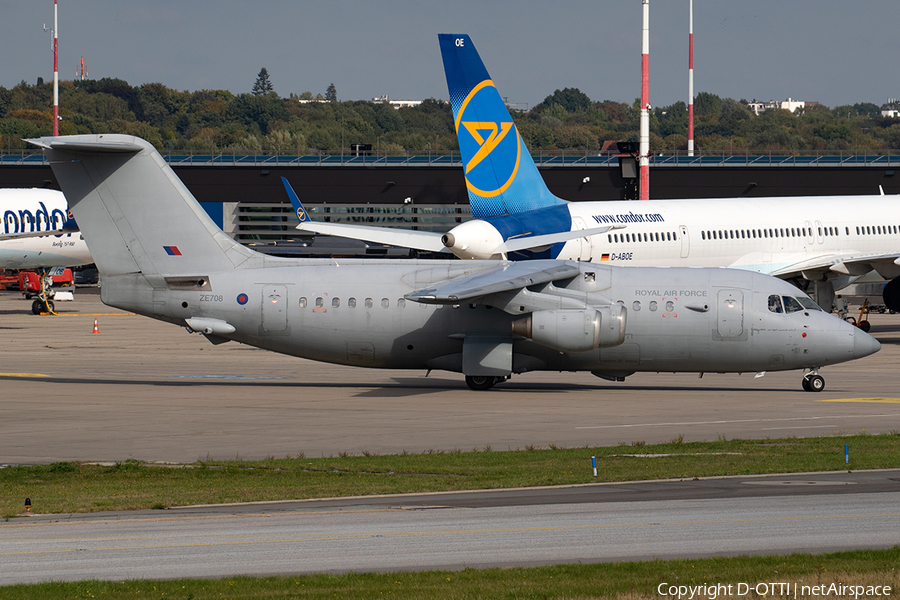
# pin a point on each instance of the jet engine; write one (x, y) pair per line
(474, 240)
(570, 330)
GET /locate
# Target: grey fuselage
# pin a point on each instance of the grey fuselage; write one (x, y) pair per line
(355, 313)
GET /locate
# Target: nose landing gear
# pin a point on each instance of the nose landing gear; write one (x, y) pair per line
(813, 382)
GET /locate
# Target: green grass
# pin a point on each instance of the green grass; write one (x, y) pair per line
(73, 487)
(568, 582)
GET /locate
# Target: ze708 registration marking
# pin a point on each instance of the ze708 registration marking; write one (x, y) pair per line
(210, 298)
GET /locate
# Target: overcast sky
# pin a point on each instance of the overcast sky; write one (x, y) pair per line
(831, 51)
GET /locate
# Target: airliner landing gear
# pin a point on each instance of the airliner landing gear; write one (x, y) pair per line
(480, 383)
(44, 301)
(813, 382)
(41, 306)
(891, 295)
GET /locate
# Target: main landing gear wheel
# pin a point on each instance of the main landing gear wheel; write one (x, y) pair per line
(813, 383)
(39, 306)
(480, 383)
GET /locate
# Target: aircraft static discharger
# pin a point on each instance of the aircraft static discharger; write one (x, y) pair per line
(160, 255)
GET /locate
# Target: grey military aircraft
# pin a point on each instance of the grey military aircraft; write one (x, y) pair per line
(160, 255)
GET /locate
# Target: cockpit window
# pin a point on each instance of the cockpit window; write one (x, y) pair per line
(791, 305)
(775, 304)
(808, 304)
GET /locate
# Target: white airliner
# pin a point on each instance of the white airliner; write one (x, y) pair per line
(819, 243)
(37, 235)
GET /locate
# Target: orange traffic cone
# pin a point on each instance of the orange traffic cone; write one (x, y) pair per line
(96, 327)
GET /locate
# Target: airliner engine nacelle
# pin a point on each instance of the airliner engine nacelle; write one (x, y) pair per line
(474, 240)
(569, 330)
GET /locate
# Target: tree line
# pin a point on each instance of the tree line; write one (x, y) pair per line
(567, 121)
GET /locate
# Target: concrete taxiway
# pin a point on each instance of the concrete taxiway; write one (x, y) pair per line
(814, 512)
(150, 391)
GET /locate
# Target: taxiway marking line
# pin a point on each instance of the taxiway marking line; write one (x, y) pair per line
(23, 375)
(872, 400)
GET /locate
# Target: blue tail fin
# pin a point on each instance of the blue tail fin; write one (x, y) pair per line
(500, 174)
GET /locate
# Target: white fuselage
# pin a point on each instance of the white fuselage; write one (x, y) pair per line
(766, 235)
(26, 212)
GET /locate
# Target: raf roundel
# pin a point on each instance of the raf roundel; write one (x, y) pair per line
(242, 299)
(487, 134)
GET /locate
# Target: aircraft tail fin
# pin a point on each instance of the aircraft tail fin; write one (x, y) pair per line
(501, 176)
(136, 215)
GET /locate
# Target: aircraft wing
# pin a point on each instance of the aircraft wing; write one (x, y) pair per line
(509, 276)
(419, 240)
(846, 264)
(538, 241)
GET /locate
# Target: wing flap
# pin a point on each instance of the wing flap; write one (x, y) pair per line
(510, 276)
(839, 263)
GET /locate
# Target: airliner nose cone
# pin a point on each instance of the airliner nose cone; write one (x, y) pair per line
(864, 344)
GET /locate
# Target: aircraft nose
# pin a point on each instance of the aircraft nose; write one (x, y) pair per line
(864, 344)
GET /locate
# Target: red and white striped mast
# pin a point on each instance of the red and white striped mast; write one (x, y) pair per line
(691, 80)
(644, 163)
(55, 72)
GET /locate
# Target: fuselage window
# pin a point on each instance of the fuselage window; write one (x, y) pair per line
(670, 306)
(753, 231)
(303, 302)
(653, 305)
(775, 304)
(335, 302)
(369, 303)
(668, 236)
(791, 305)
(320, 302)
(401, 303)
(702, 235)
(351, 302)
(848, 230)
(610, 238)
(645, 238)
(857, 230)
(636, 306)
(385, 303)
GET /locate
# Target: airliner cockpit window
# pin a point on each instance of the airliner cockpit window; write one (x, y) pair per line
(808, 304)
(791, 305)
(775, 304)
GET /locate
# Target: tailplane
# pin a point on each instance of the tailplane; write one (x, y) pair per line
(136, 215)
(501, 176)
